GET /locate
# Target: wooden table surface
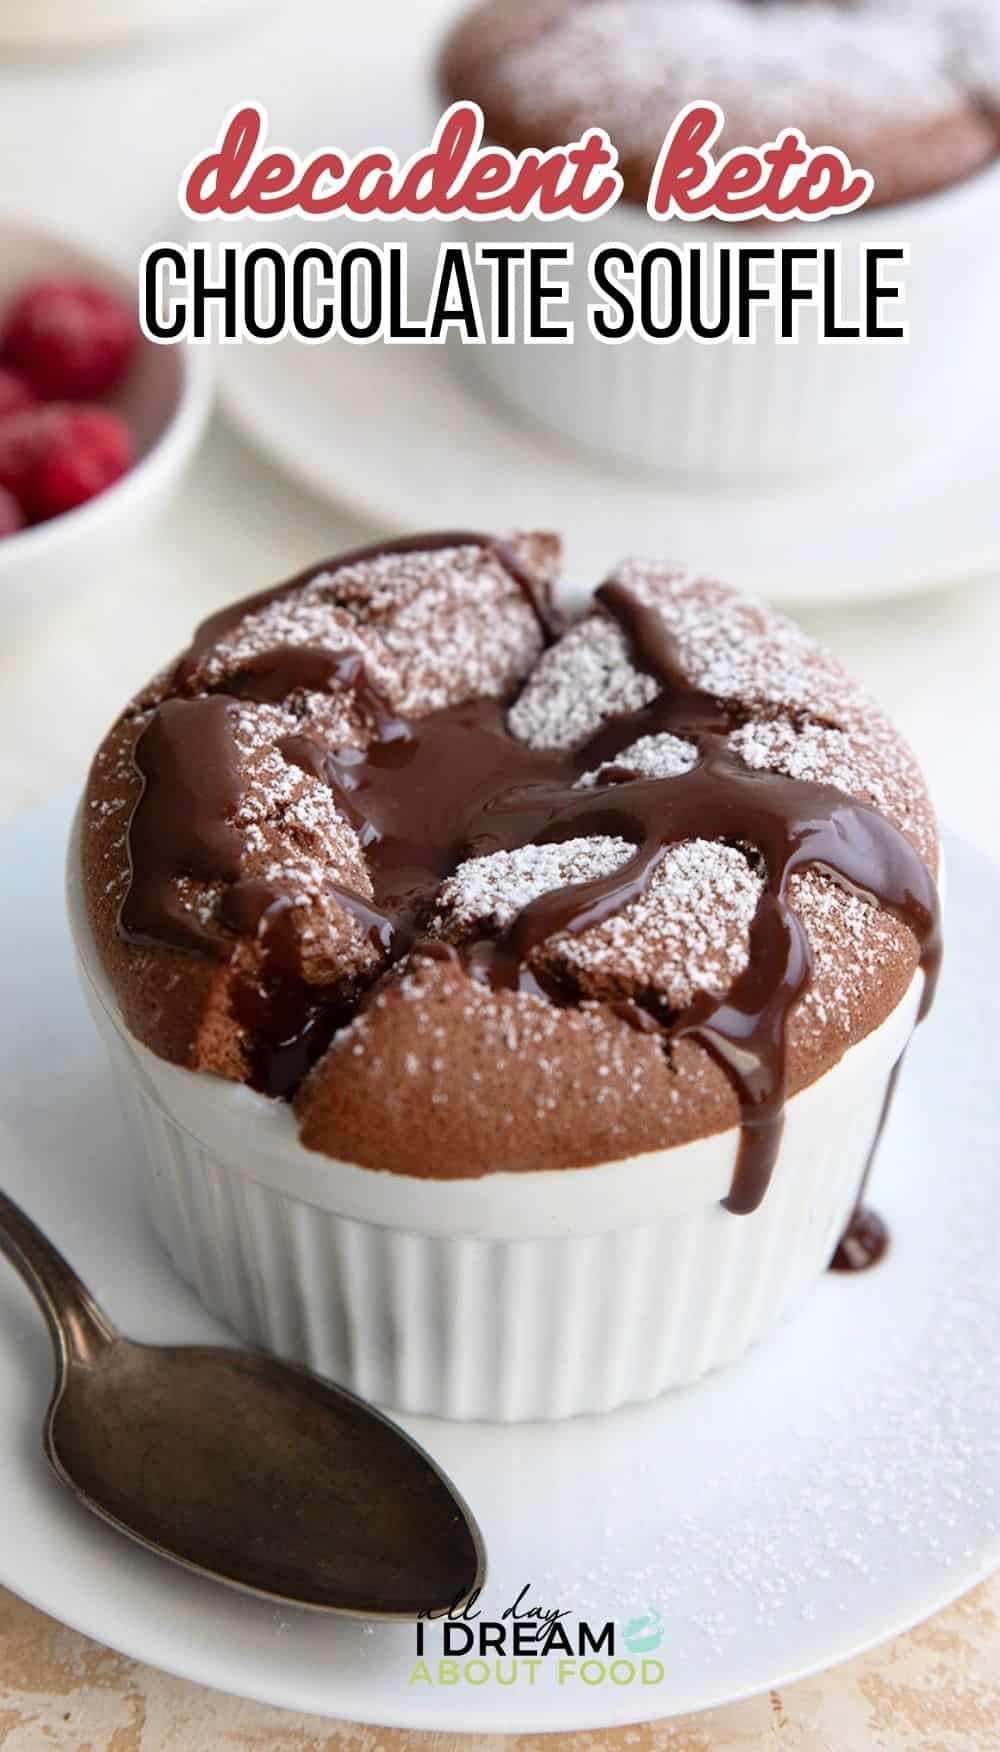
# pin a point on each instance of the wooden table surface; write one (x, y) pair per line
(936, 1690)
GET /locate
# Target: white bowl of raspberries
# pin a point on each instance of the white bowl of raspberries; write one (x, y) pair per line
(96, 422)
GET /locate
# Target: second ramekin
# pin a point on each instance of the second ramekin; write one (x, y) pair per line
(737, 411)
(508, 1297)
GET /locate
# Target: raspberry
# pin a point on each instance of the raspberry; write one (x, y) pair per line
(71, 340)
(11, 515)
(21, 438)
(54, 458)
(15, 392)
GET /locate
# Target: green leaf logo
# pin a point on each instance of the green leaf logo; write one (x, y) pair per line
(643, 1633)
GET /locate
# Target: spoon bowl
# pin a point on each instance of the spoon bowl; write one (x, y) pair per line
(252, 1471)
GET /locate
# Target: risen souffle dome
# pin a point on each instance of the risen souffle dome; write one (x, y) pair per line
(909, 89)
(431, 1072)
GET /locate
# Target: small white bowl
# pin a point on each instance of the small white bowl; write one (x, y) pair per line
(165, 397)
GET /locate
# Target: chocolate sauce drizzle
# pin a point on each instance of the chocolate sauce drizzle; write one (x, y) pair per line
(217, 625)
(182, 824)
(425, 796)
(866, 1239)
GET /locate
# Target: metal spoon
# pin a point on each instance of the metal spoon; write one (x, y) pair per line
(242, 1467)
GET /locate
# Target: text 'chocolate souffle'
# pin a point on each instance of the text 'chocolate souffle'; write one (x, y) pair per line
(477, 892)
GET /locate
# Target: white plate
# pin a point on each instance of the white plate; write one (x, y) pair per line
(404, 436)
(830, 1491)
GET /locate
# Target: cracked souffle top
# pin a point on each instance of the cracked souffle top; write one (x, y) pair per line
(475, 891)
(909, 89)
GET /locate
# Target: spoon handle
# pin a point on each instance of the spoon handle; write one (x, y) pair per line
(76, 1323)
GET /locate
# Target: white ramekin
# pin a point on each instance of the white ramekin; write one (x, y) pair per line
(509, 1297)
(768, 410)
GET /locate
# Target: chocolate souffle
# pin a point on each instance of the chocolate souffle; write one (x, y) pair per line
(476, 892)
(909, 89)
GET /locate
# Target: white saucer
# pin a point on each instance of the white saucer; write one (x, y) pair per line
(405, 437)
(830, 1491)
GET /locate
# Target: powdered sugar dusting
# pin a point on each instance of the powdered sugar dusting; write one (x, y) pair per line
(869, 762)
(853, 944)
(652, 757)
(841, 72)
(297, 841)
(560, 1056)
(490, 892)
(969, 31)
(687, 933)
(732, 646)
(433, 628)
(767, 61)
(728, 645)
(587, 677)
